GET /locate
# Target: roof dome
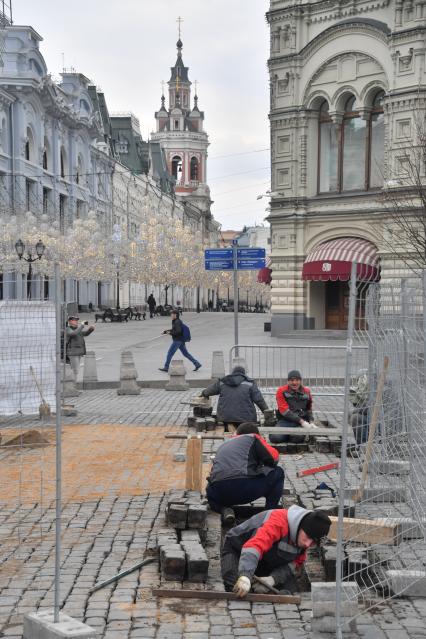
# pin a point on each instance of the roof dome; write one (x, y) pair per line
(179, 44)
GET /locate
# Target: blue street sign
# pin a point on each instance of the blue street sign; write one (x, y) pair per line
(251, 253)
(234, 242)
(250, 265)
(219, 265)
(218, 254)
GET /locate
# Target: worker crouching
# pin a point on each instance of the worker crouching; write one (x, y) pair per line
(271, 545)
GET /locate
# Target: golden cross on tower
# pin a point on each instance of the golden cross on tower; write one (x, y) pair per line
(179, 21)
(162, 87)
(196, 86)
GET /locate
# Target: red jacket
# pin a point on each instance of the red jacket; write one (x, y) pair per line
(294, 405)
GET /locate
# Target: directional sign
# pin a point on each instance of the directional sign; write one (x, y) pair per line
(251, 253)
(219, 265)
(250, 265)
(218, 254)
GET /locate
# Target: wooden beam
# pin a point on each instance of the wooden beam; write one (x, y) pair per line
(366, 531)
(221, 594)
(194, 464)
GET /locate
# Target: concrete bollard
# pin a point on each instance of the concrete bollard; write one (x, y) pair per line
(239, 361)
(218, 365)
(128, 375)
(90, 373)
(177, 373)
(41, 624)
(69, 384)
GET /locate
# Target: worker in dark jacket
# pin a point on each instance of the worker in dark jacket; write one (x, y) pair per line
(294, 403)
(238, 395)
(75, 342)
(178, 343)
(272, 546)
(244, 469)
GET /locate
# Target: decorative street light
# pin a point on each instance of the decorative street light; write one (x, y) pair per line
(20, 249)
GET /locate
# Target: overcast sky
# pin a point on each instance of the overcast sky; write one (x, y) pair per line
(127, 48)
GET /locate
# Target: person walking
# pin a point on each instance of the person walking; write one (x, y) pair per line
(294, 403)
(75, 342)
(151, 305)
(245, 468)
(238, 395)
(180, 335)
(272, 546)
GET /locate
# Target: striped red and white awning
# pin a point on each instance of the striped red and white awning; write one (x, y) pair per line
(332, 260)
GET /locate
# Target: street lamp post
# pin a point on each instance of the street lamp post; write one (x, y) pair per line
(20, 249)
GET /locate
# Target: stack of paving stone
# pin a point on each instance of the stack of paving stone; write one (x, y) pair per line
(182, 556)
(320, 498)
(202, 418)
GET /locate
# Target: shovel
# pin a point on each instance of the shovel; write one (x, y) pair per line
(44, 408)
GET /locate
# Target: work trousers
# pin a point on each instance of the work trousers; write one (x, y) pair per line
(283, 439)
(231, 492)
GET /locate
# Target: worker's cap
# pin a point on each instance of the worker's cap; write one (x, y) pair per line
(73, 317)
(316, 525)
(294, 375)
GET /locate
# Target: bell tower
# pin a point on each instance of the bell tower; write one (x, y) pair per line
(182, 137)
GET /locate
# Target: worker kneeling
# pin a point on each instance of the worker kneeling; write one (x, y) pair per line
(294, 403)
(271, 545)
(244, 469)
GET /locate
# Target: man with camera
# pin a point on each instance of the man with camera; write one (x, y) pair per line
(76, 345)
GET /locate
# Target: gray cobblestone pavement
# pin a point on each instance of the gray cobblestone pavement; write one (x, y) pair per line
(103, 536)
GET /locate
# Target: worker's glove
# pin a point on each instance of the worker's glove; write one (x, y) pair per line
(260, 587)
(313, 425)
(305, 424)
(242, 586)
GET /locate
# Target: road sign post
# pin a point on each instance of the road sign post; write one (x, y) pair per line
(236, 301)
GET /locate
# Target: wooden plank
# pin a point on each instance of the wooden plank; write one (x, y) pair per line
(194, 464)
(366, 531)
(221, 594)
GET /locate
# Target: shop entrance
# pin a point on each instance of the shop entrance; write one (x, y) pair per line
(336, 305)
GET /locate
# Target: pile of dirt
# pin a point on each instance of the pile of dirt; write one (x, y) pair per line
(28, 438)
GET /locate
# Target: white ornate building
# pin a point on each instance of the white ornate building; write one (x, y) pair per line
(347, 79)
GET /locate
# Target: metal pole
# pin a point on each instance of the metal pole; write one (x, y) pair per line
(424, 324)
(29, 278)
(58, 443)
(343, 457)
(235, 299)
(118, 289)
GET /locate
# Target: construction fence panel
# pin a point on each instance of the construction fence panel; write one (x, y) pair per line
(382, 474)
(30, 394)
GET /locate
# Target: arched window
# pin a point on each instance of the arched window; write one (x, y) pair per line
(29, 145)
(194, 169)
(80, 169)
(351, 153)
(177, 167)
(328, 152)
(377, 140)
(46, 155)
(354, 139)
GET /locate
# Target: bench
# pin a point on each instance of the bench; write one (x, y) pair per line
(134, 313)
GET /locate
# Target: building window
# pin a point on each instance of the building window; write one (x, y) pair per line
(80, 209)
(176, 125)
(63, 161)
(47, 195)
(29, 194)
(350, 155)
(177, 167)
(194, 169)
(62, 212)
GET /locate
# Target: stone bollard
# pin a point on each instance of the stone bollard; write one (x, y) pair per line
(128, 375)
(324, 606)
(177, 373)
(239, 361)
(218, 365)
(90, 373)
(69, 384)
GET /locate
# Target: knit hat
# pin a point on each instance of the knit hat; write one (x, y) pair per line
(294, 375)
(316, 525)
(239, 369)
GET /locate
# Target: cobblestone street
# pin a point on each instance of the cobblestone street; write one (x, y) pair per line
(117, 469)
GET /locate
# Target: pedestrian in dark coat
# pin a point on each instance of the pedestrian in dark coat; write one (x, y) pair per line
(75, 343)
(238, 395)
(151, 304)
(178, 343)
(245, 468)
(271, 545)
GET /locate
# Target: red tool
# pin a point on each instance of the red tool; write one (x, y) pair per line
(318, 469)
